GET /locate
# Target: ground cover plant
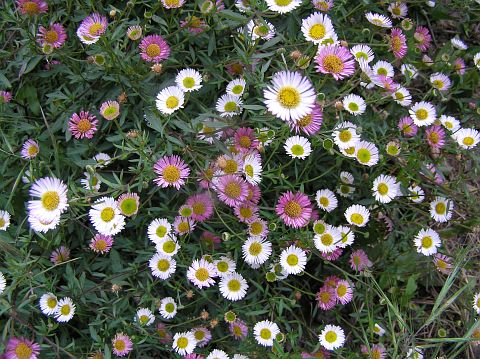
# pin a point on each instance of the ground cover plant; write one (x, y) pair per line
(249, 179)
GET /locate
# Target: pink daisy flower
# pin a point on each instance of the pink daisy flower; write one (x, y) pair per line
(172, 4)
(232, 190)
(398, 43)
(202, 335)
(385, 82)
(331, 281)
(154, 48)
(32, 7)
(245, 140)
(442, 263)
(254, 193)
(60, 255)
(294, 209)
(82, 125)
(344, 292)
(422, 38)
(202, 206)
(377, 351)
(171, 171)
(435, 136)
(309, 124)
(238, 329)
(407, 126)
(54, 36)
(335, 60)
(121, 345)
(459, 66)
(30, 149)
(211, 240)
(332, 256)
(182, 225)
(193, 24)
(5, 97)
(322, 5)
(193, 356)
(359, 260)
(101, 244)
(164, 334)
(21, 348)
(257, 228)
(246, 211)
(322, 353)
(326, 298)
(91, 28)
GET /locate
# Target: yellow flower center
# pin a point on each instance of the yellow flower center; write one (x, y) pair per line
(345, 135)
(231, 166)
(23, 351)
(427, 242)
(129, 206)
(183, 227)
(171, 174)
(382, 71)
(317, 31)
(110, 111)
(325, 297)
(468, 141)
(230, 106)
(396, 44)
(234, 285)
(95, 29)
(101, 245)
(256, 228)
(188, 82)
(289, 97)
(341, 290)
(2, 222)
(199, 335)
(51, 302)
(222, 267)
(202, 274)
(305, 121)
(119, 345)
(441, 264)
(249, 170)
(265, 333)
(292, 259)
(283, 2)
(232, 190)
(172, 102)
(382, 189)
(237, 89)
(161, 231)
(332, 63)
(172, 3)
(32, 150)
(357, 218)
(293, 209)
(169, 307)
(65, 310)
(169, 246)
(31, 8)
(255, 249)
(324, 201)
(245, 142)
(376, 354)
(153, 50)
(364, 155)
(421, 114)
(297, 150)
(326, 239)
(51, 36)
(198, 208)
(331, 336)
(84, 125)
(237, 331)
(440, 208)
(107, 214)
(434, 137)
(50, 200)
(143, 319)
(319, 228)
(246, 212)
(352, 106)
(163, 265)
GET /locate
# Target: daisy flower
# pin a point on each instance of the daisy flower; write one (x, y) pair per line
(202, 206)
(121, 344)
(335, 60)
(91, 182)
(184, 343)
(218, 354)
(110, 110)
(159, 229)
(164, 336)
(41, 225)
(345, 135)
(170, 99)
(52, 202)
(398, 43)
(435, 136)
(398, 10)
(172, 4)
(238, 329)
(427, 241)
(202, 336)
(256, 251)
(257, 228)
(354, 104)
(60, 255)
(168, 308)
(459, 66)
(458, 44)
(229, 105)
(450, 123)
(359, 260)
(308, 124)
(171, 171)
(422, 38)
(442, 263)
(144, 316)
(265, 332)
(407, 126)
(48, 304)
(328, 240)
(283, 6)
(260, 29)
(91, 28)
(415, 353)
(82, 125)
(162, 266)
(245, 140)
(189, 80)
(290, 96)
(332, 337)
(202, 273)
(467, 138)
(344, 292)
(440, 81)
(293, 260)
(294, 209)
(182, 225)
(224, 266)
(236, 87)
(378, 19)
(232, 190)
(423, 113)
(326, 200)
(4, 220)
(326, 298)
(128, 204)
(54, 36)
(233, 286)
(101, 244)
(441, 209)
(347, 235)
(346, 177)
(362, 52)
(366, 153)
(476, 60)
(409, 71)
(377, 329)
(106, 216)
(376, 351)
(402, 96)
(252, 169)
(383, 68)
(357, 215)
(102, 159)
(416, 193)
(22, 348)
(385, 188)
(134, 32)
(154, 48)
(317, 27)
(297, 147)
(65, 310)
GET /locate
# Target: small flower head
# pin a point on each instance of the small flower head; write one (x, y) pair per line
(30, 149)
(335, 60)
(295, 209)
(110, 110)
(121, 344)
(91, 28)
(332, 337)
(65, 310)
(265, 332)
(83, 125)
(21, 348)
(171, 171)
(101, 243)
(154, 48)
(54, 36)
(326, 297)
(32, 7)
(134, 32)
(359, 260)
(298, 147)
(128, 204)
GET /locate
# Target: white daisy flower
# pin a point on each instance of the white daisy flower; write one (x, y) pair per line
(366, 153)
(319, 226)
(48, 304)
(345, 190)
(450, 123)
(362, 52)
(242, 5)
(290, 96)
(202, 273)
(260, 29)
(377, 329)
(357, 215)
(378, 19)
(346, 177)
(229, 105)
(3, 283)
(317, 27)
(354, 104)
(345, 135)
(102, 159)
(328, 240)
(467, 138)
(236, 87)
(42, 226)
(224, 266)
(184, 343)
(476, 303)
(459, 44)
(347, 236)
(106, 217)
(441, 209)
(423, 113)
(189, 80)
(385, 188)
(239, 356)
(298, 147)
(398, 10)
(144, 316)
(408, 70)
(283, 6)
(256, 251)
(383, 68)
(427, 241)
(326, 200)
(168, 246)
(417, 353)
(332, 337)
(218, 354)
(265, 332)
(170, 99)
(52, 202)
(91, 183)
(233, 286)
(402, 96)
(4, 220)
(162, 266)
(440, 81)
(476, 60)
(416, 193)
(252, 168)
(65, 310)
(293, 260)
(159, 229)
(168, 308)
